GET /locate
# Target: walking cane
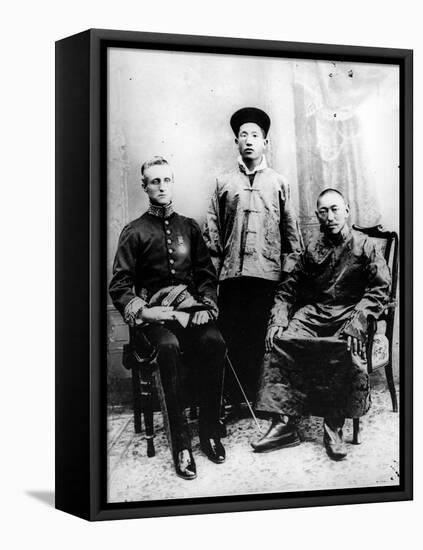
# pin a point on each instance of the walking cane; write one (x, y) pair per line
(243, 392)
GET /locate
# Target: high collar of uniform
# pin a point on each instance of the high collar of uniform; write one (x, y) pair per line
(161, 211)
(258, 168)
(340, 237)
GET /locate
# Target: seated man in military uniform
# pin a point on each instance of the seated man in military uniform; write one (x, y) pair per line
(316, 339)
(164, 284)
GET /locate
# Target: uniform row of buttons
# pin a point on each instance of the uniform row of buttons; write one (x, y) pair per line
(170, 250)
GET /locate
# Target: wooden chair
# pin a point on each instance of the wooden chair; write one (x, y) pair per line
(142, 388)
(146, 386)
(388, 243)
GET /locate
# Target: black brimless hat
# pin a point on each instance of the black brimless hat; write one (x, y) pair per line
(250, 114)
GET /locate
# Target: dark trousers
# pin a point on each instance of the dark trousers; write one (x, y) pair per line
(244, 305)
(203, 358)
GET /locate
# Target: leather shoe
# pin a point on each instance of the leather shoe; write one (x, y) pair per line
(213, 449)
(282, 433)
(185, 465)
(333, 441)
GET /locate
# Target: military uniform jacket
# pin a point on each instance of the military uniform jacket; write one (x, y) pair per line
(159, 249)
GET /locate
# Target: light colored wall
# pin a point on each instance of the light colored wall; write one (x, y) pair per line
(178, 105)
(379, 117)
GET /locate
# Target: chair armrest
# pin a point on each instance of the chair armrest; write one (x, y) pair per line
(371, 331)
(371, 325)
(391, 306)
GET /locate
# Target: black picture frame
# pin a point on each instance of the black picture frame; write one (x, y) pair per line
(80, 272)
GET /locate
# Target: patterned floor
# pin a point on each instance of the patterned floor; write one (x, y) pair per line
(132, 476)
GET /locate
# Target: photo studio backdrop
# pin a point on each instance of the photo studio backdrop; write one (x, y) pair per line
(333, 125)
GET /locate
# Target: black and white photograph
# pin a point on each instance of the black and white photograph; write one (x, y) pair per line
(253, 246)
(211, 268)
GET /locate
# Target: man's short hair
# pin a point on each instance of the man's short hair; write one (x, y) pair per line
(330, 190)
(154, 161)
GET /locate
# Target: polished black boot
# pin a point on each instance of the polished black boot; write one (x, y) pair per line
(333, 438)
(213, 449)
(185, 465)
(282, 433)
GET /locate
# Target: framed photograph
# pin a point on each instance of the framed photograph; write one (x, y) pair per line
(234, 274)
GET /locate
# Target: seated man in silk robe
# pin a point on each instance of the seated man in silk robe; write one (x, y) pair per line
(162, 270)
(316, 339)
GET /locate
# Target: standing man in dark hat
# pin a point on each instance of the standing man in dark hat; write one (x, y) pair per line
(164, 285)
(252, 234)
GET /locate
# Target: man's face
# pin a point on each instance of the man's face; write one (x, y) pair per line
(158, 183)
(251, 142)
(332, 213)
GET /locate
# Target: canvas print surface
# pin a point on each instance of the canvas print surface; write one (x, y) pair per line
(252, 239)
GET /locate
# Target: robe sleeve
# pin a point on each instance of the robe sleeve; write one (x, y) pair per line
(287, 292)
(205, 278)
(291, 240)
(212, 232)
(376, 295)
